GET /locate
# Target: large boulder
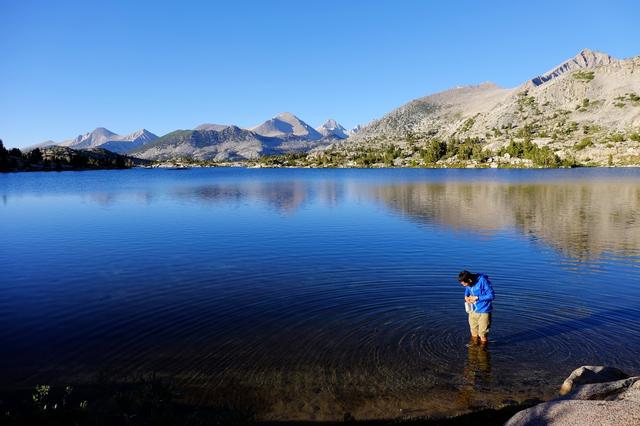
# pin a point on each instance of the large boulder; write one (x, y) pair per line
(590, 395)
(602, 391)
(579, 413)
(591, 374)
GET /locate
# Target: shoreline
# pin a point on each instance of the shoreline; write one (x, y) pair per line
(153, 401)
(599, 393)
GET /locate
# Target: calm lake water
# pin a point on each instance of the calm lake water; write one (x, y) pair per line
(312, 293)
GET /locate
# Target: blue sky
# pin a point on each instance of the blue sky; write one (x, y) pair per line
(67, 67)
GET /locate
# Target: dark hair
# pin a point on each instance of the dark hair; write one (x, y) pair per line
(467, 277)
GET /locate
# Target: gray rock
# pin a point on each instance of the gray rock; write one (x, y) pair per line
(593, 395)
(608, 390)
(579, 413)
(591, 374)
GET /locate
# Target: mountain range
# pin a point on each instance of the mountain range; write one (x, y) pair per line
(106, 139)
(281, 134)
(587, 108)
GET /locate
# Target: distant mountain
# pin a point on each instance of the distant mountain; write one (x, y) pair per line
(587, 108)
(283, 133)
(211, 126)
(287, 126)
(355, 130)
(92, 139)
(331, 128)
(129, 142)
(228, 143)
(105, 139)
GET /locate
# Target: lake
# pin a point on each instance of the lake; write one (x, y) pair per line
(309, 294)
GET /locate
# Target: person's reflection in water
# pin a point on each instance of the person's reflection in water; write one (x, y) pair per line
(477, 373)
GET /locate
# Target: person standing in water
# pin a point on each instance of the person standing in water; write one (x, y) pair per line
(478, 297)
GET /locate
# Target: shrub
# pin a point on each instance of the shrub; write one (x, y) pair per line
(584, 143)
(617, 137)
(467, 125)
(633, 97)
(584, 75)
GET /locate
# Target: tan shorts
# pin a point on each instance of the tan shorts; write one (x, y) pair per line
(479, 324)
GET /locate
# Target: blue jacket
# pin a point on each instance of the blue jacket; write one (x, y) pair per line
(482, 288)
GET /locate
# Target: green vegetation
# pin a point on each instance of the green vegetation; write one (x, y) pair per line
(584, 105)
(584, 143)
(369, 157)
(468, 149)
(584, 75)
(467, 125)
(542, 157)
(525, 101)
(633, 97)
(617, 137)
(435, 151)
(628, 97)
(572, 126)
(59, 158)
(634, 137)
(527, 132)
(589, 129)
(283, 160)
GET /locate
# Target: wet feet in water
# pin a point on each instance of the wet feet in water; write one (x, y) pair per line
(475, 341)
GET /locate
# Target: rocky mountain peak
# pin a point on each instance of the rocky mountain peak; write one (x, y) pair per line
(331, 128)
(287, 125)
(102, 131)
(587, 58)
(287, 116)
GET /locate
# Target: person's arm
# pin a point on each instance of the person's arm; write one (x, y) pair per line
(486, 293)
(467, 293)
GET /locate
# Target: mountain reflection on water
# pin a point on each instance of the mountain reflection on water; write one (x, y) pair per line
(581, 220)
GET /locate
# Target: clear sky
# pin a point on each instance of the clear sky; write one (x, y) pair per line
(67, 67)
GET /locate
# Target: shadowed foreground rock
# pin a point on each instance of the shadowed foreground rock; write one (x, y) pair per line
(592, 395)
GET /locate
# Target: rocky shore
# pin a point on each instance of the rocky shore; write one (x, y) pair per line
(591, 395)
